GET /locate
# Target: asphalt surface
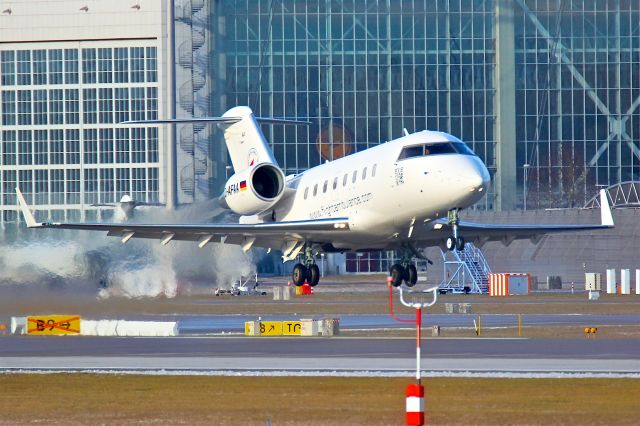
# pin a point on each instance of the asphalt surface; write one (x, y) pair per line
(335, 347)
(240, 355)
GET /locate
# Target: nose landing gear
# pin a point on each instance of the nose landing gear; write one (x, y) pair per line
(455, 241)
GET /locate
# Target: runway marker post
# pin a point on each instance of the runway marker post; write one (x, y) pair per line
(519, 325)
(415, 392)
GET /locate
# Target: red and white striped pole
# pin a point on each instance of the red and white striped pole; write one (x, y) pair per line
(415, 393)
(415, 405)
(418, 338)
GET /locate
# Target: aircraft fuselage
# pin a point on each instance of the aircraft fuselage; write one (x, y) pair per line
(382, 193)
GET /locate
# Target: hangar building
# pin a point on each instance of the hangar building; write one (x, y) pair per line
(547, 92)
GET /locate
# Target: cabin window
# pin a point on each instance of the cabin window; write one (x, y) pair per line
(315, 189)
(355, 176)
(344, 180)
(324, 188)
(335, 182)
(306, 192)
(373, 171)
(364, 173)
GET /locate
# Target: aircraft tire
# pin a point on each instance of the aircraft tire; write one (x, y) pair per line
(299, 274)
(397, 275)
(460, 243)
(313, 277)
(450, 242)
(412, 276)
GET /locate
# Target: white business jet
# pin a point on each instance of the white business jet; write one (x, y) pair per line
(401, 195)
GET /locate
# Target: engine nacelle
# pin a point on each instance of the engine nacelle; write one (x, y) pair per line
(254, 189)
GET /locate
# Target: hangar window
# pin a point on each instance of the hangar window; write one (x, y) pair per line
(315, 189)
(355, 176)
(335, 182)
(306, 192)
(373, 171)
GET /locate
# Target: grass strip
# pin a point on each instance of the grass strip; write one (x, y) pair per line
(129, 399)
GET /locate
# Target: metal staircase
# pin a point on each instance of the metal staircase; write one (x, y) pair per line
(193, 53)
(465, 271)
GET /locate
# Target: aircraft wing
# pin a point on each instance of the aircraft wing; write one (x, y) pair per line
(483, 232)
(287, 236)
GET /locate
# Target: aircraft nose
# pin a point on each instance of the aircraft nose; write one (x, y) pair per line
(477, 178)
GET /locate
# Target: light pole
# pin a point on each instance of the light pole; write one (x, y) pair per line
(526, 169)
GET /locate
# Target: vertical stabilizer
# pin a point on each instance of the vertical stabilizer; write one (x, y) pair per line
(246, 143)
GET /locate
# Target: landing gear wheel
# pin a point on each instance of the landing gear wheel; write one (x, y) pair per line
(412, 275)
(313, 275)
(299, 274)
(397, 275)
(450, 243)
(460, 244)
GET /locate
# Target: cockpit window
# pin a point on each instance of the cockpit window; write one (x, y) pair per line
(462, 148)
(437, 148)
(411, 151)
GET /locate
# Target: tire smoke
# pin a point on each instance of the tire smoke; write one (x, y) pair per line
(85, 262)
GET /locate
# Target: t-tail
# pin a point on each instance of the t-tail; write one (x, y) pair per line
(245, 141)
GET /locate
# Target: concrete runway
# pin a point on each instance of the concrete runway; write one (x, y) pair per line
(197, 355)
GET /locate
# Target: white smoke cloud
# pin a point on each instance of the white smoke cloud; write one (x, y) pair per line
(91, 262)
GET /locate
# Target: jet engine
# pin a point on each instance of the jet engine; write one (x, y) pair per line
(254, 190)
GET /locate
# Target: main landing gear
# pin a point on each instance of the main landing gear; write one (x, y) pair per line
(307, 271)
(455, 241)
(407, 273)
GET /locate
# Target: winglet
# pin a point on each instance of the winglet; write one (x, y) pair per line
(605, 209)
(28, 216)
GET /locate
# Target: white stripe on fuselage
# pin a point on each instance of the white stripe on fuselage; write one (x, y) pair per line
(386, 202)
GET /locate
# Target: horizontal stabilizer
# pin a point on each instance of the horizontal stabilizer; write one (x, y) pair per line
(262, 120)
(222, 120)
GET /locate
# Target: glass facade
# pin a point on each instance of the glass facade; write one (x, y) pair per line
(60, 142)
(577, 98)
(361, 71)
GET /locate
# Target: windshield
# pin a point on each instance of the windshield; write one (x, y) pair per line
(437, 148)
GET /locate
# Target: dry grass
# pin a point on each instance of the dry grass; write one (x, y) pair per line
(105, 399)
